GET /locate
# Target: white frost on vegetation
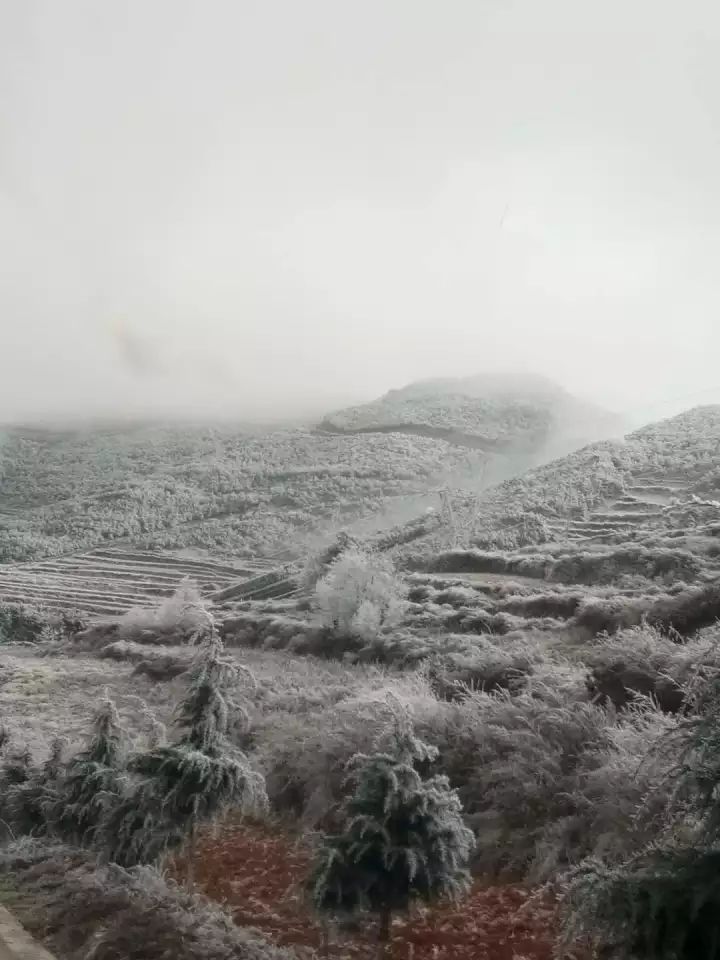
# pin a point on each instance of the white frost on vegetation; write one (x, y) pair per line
(361, 595)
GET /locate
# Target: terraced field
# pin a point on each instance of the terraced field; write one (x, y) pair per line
(108, 582)
(643, 507)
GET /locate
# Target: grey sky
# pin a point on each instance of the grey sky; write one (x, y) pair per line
(257, 206)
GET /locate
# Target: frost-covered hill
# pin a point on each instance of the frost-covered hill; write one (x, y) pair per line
(224, 490)
(660, 486)
(234, 490)
(495, 412)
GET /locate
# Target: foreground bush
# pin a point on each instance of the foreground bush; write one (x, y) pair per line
(545, 777)
(664, 903)
(84, 911)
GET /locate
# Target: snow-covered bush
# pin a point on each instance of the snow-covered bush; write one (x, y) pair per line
(81, 909)
(183, 614)
(663, 903)
(545, 777)
(361, 595)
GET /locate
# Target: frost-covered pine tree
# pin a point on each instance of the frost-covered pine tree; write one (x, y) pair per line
(27, 789)
(91, 780)
(403, 841)
(192, 781)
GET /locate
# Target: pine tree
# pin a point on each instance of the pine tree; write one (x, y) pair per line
(403, 839)
(27, 789)
(192, 781)
(91, 779)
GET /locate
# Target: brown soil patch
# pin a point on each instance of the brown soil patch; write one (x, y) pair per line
(258, 873)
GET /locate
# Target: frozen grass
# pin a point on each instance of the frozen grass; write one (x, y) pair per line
(645, 662)
(42, 698)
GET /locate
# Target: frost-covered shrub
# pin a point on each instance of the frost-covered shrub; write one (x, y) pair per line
(83, 910)
(461, 665)
(361, 595)
(557, 605)
(645, 662)
(601, 566)
(156, 663)
(545, 777)
(27, 624)
(183, 615)
(512, 530)
(663, 903)
(317, 564)
(596, 615)
(304, 762)
(690, 610)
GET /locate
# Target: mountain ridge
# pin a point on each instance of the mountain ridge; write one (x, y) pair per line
(487, 411)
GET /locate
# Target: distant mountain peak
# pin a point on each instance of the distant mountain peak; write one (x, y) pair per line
(495, 411)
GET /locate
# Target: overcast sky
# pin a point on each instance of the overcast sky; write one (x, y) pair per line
(267, 205)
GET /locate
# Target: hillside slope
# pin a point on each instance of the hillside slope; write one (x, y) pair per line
(646, 508)
(237, 491)
(221, 489)
(494, 412)
(660, 477)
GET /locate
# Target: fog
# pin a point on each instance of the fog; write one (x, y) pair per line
(269, 208)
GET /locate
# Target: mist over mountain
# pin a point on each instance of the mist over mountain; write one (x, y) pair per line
(500, 412)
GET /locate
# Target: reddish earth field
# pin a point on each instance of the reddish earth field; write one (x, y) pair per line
(258, 873)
